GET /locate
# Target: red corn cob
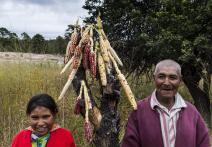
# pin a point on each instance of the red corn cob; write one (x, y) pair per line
(85, 39)
(72, 50)
(77, 108)
(88, 131)
(86, 55)
(92, 63)
(75, 62)
(77, 52)
(74, 38)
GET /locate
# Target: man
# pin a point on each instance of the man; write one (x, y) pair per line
(164, 119)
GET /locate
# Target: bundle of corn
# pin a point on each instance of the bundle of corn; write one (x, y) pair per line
(91, 52)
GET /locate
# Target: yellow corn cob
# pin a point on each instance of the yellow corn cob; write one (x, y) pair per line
(124, 84)
(127, 90)
(102, 71)
(70, 78)
(103, 49)
(95, 117)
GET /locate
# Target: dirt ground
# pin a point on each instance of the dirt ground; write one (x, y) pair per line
(30, 57)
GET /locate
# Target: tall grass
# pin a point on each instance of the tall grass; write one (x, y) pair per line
(20, 81)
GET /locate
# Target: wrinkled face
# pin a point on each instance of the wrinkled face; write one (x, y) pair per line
(41, 120)
(167, 81)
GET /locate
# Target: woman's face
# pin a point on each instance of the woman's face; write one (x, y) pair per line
(41, 120)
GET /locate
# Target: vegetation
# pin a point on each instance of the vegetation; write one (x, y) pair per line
(9, 41)
(143, 33)
(20, 81)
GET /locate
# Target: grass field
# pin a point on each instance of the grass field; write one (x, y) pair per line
(20, 81)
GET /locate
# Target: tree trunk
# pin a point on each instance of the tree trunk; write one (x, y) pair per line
(107, 134)
(191, 78)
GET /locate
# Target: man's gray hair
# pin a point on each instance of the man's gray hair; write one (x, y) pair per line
(168, 62)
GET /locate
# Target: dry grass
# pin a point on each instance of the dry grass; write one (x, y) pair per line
(18, 83)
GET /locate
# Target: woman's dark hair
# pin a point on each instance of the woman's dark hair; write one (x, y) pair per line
(44, 100)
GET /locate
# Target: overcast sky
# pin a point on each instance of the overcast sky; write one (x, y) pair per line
(46, 17)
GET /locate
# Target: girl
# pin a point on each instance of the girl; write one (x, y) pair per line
(42, 130)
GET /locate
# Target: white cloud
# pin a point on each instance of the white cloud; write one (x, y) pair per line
(46, 17)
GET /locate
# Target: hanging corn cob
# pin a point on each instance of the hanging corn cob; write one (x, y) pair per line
(82, 52)
(72, 44)
(113, 53)
(88, 106)
(67, 65)
(102, 70)
(77, 103)
(103, 49)
(71, 77)
(124, 84)
(86, 55)
(92, 60)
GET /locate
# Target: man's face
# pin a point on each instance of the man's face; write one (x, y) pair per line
(167, 81)
(41, 120)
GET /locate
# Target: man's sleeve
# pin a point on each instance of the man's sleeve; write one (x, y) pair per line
(202, 134)
(131, 137)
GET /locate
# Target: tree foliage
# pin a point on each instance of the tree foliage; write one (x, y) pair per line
(145, 32)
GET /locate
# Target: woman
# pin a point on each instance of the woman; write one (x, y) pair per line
(43, 131)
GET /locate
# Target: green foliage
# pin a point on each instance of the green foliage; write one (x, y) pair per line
(38, 44)
(154, 30)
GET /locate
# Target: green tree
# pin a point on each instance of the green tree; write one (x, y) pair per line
(25, 42)
(39, 44)
(145, 32)
(8, 40)
(60, 45)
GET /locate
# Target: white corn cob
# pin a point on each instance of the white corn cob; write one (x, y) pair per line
(70, 78)
(67, 65)
(87, 101)
(113, 53)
